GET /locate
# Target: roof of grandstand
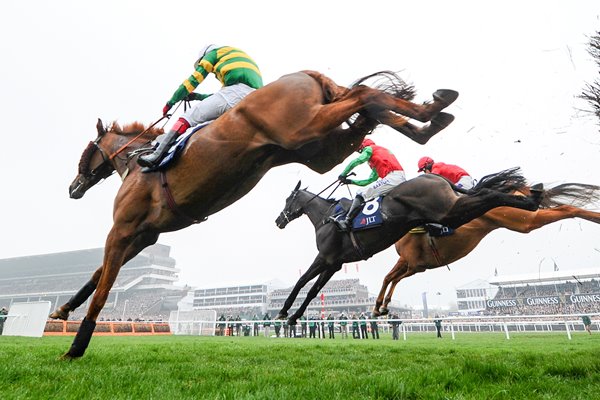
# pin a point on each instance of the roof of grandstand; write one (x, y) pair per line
(547, 277)
(77, 261)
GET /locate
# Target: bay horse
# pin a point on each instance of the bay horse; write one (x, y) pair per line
(302, 117)
(426, 198)
(420, 252)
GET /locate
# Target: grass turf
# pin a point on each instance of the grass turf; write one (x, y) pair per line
(474, 366)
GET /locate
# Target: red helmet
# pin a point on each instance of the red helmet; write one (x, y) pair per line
(424, 162)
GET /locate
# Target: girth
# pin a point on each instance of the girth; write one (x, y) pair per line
(171, 201)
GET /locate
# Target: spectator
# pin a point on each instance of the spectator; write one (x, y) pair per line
(312, 327)
(238, 326)
(221, 325)
(343, 325)
(587, 323)
(267, 324)
(330, 326)
(303, 326)
(438, 325)
(293, 331)
(277, 327)
(363, 326)
(355, 332)
(395, 325)
(3, 314)
(374, 330)
(255, 325)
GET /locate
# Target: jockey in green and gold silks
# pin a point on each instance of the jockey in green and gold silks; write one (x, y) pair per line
(230, 66)
(238, 74)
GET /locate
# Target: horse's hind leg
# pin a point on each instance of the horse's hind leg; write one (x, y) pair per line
(469, 207)
(375, 101)
(420, 135)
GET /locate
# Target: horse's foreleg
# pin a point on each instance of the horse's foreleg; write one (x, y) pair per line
(314, 290)
(314, 270)
(119, 248)
(396, 271)
(409, 271)
(78, 298)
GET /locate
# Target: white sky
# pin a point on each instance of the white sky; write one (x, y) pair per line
(517, 65)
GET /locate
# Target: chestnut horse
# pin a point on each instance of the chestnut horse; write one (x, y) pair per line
(426, 198)
(298, 118)
(419, 251)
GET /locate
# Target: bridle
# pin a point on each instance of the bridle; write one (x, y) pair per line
(292, 215)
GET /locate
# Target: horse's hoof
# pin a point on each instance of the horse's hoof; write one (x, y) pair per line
(445, 96)
(537, 192)
(68, 357)
(292, 321)
(59, 314)
(281, 316)
(384, 311)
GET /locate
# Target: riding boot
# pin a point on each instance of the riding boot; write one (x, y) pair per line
(357, 203)
(152, 159)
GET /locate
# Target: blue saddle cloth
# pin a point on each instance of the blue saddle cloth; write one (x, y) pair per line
(369, 217)
(176, 149)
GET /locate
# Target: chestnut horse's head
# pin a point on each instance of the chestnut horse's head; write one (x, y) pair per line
(94, 166)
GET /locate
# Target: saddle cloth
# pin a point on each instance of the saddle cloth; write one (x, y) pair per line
(176, 149)
(368, 217)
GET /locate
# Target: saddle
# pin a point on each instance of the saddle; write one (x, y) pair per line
(175, 151)
(368, 217)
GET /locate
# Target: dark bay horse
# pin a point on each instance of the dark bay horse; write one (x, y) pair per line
(419, 251)
(302, 117)
(426, 198)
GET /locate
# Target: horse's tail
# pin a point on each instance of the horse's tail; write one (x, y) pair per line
(506, 181)
(574, 194)
(389, 82)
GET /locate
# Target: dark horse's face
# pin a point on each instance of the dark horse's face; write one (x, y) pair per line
(291, 211)
(94, 166)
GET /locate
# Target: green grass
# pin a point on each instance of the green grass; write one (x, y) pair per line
(474, 366)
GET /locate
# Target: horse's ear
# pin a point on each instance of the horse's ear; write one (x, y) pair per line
(298, 185)
(100, 127)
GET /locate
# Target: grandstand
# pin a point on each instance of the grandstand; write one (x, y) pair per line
(235, 300)
(145, 288)
(346, 295)
(556, 292)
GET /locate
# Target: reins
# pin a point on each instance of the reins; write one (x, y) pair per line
(333, 191)
(120, 149)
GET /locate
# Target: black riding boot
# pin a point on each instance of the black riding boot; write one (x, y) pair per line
(357, 203)
(150, 160)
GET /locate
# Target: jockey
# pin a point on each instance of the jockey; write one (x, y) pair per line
(239, 75)
(386, 173)
(453, 173)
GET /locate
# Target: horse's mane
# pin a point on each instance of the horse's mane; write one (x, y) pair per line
(135, 128)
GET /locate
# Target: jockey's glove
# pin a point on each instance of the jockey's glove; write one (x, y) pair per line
(166, 109)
